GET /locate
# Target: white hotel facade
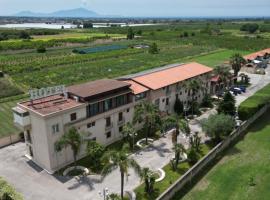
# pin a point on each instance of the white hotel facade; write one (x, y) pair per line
(99, 109)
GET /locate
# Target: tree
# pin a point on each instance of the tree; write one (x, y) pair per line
(179, 150)
(87, 24)
(236, 62)
(218, 126)
(73, 139)
(178, 106)
(95, 152)
(227, 105)
(119, 159)
(41, 49)
(250, 27)
(153, 49)
(129, 134)
(224, 75)
(148, 113)
(195, 142)
(130, 34)
(139, 32)
(207, 101)
(149, 180)
(193, 156)
(24, 35)
(193, 87)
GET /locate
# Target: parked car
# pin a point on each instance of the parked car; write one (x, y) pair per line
(243, 88)
(236, 90)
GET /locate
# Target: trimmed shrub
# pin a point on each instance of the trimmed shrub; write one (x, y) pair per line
(251, 105)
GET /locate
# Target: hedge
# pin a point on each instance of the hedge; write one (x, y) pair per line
(251, 105)
(6, 189)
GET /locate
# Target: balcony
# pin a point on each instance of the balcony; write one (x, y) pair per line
(21, 118)
(121, 122)
(108, 127)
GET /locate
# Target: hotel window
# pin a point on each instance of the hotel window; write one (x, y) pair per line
(167, 101)
(108, 121)
(176, 96)
(108, 134)
(55, 128)
(127, 110)
(107, 104)
(73, 116)
(28, 136)
(157, 101)
(120, 116)
(120, 129)
(91, 124)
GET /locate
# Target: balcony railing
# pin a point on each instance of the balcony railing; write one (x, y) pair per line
(108, 127)
(121, 122)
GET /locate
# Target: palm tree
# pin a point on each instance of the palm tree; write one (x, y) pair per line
(236, 62)
(129, 133)
(73, 139)
(148, 176)
(119, 159)
(195, 142)
(179, 150)
(148, 113)
(194, 86)
(224, 75)
(178, 123)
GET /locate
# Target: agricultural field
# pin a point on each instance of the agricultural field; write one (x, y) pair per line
(8, 89)
(6, 119)
(177, 43)
(243, 173)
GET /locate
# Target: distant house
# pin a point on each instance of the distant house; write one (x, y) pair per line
(258, 59)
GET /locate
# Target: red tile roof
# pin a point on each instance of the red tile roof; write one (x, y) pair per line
(96, 87)
(50, 104)
(136, 88)
(256, 54)
(163, 78)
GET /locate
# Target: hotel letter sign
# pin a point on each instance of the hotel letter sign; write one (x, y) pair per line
(44, 92)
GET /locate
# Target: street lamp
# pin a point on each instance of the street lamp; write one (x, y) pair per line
(133, 135)
(105, 193)
(185, 110)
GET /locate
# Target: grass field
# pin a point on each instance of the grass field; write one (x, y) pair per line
(6, 119)
(217, 58)
(244, 173)
(75, 35)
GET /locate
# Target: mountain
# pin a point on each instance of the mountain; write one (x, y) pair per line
(76, 13)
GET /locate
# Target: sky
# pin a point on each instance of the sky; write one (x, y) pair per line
(144, 8)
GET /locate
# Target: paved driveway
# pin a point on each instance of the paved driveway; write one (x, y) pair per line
(34, 183)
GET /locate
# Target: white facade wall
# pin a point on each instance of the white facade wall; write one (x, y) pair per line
(43, 138)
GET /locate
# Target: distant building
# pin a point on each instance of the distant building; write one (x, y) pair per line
(99, 109)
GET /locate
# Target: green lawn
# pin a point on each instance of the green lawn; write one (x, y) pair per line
(6, 119)
(216, 58)
(252, 104)
(231, 178)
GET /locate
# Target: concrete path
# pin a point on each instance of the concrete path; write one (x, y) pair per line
(34, 183)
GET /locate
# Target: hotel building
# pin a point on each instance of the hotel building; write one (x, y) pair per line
(99, 109)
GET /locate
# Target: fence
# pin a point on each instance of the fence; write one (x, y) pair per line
(8, 140)
(211, 156)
